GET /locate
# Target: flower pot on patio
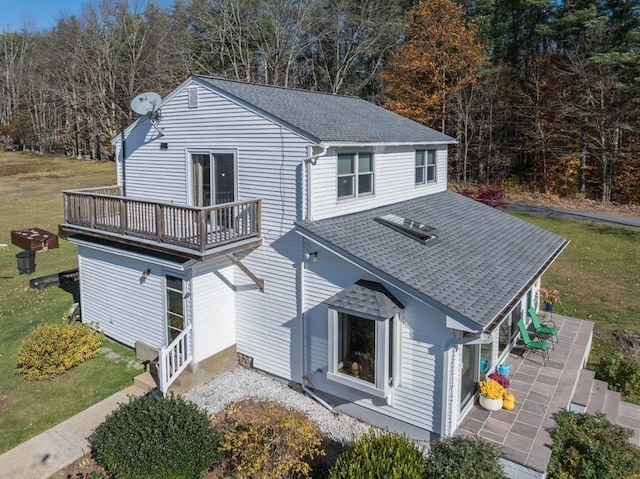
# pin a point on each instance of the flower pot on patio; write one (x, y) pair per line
(504, 369)
(548, 307)
(491, 404)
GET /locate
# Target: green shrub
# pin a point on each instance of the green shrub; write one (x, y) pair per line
(51, 349)
(591, 447)
(380, 455)
(264, 440)
(456, 457)
(622, 373)
(152, 437)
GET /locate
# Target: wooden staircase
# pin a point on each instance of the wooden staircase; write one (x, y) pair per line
(592, 395)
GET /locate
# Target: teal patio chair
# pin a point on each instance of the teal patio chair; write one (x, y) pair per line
(542, 329)
(531, 345)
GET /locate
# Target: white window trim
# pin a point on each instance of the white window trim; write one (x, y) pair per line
(356, 175)
(383, 385)
(423, 167)
(427, 166)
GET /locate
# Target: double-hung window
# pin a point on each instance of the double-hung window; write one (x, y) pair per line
(355, 175)
(425, 166)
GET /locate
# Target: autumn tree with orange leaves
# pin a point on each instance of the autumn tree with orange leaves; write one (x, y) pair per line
(441, 56)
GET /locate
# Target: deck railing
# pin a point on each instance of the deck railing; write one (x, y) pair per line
(174, 359)
(194, 228)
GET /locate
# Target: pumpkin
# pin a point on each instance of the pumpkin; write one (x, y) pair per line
(508, 401)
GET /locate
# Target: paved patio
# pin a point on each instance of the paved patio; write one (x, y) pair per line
(540, 391)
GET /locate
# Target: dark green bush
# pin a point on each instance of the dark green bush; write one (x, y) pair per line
(379, 456)
(622, 373)
(591, 447)
(152, 437)
(457, 457)
(51, 349)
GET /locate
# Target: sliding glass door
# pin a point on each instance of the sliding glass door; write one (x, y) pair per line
(213, 178)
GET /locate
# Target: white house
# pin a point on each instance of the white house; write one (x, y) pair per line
(312, 235)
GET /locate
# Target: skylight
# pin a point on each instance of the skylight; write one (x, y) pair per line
(407, 226)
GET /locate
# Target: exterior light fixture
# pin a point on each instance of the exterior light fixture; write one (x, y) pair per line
(313, 256)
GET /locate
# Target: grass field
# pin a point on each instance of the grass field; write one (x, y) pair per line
(30, 189)
(598, 276)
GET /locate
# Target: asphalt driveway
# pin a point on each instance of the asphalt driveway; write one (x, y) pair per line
(632, 222)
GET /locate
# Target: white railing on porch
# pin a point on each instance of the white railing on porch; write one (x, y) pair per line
(174, 359)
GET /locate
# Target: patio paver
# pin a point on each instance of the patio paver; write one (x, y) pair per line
(540, 391)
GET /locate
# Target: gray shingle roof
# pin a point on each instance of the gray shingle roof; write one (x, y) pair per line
(368, 298)
(480, 263)
(323, 117)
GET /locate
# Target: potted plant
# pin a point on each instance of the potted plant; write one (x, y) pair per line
(548, 297)
(491, 392)
(501, 379)
(508, 399)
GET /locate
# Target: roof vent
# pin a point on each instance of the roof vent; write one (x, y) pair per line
(193, 97)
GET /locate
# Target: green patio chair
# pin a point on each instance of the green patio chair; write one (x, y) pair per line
(531, 345)
(540, 328)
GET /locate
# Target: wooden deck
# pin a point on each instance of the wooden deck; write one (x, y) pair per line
(195, 231)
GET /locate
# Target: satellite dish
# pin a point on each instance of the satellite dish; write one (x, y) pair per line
(146, 103)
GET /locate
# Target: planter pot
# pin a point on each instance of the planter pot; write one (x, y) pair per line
(491, 404)
(548, 307)
(504, 369)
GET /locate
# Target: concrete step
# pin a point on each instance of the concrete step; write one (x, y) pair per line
(582, 390)
(145, 381)
(611, 405)
(629, 416)
(598, 394)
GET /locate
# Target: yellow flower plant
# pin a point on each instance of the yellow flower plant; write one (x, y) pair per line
(491, 389)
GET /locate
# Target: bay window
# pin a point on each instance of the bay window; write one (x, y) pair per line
(364, 352)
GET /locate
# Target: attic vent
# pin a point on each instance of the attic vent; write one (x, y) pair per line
(193, 97)
(409, 227)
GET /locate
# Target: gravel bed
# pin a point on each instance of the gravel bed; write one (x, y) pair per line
(240, 383)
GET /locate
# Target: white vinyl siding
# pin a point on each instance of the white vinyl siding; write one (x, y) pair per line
(213, 297)
(417, 398)
(268, 162)
(269, 159)
(395, 180)
(115, 295)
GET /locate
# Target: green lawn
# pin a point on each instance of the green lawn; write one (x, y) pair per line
(598, 276)
(30, 188)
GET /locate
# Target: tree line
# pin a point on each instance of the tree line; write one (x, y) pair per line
(539, 93)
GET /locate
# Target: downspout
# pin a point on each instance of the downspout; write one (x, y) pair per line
(485, 338)
(306, 172)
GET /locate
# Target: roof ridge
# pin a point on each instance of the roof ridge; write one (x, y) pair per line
(280, 87)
